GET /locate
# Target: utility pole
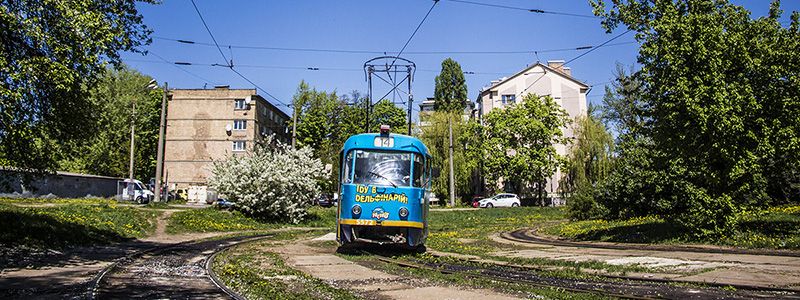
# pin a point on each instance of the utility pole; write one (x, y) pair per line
(450, 158)
(294, 125)
(369, 98)
(160, 153)
(410, 100)
(130, 167)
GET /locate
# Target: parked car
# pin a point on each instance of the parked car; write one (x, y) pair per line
(500, 200)
(135, 191)
(325, 200)
(223, 203)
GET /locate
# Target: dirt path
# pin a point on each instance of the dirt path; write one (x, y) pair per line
(321, 263)
(64, 274)
(719, 268)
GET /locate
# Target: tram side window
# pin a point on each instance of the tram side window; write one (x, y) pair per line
(383, 168)
(428, 174)
(347, 174)
(418, 170)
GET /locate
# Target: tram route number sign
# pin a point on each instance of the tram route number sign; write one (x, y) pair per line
(384, 141)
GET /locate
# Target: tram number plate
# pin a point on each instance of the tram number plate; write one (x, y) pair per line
(384, 141)
(365, 222)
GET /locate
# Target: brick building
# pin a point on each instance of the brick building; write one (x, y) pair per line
(204, 125)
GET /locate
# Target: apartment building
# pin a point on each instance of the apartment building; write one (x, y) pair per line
(204, 125)
(552, 79)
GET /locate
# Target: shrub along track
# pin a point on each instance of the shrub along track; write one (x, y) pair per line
(176, 271)
(619, 287)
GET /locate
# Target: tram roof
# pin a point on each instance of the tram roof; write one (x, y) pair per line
(401, 143)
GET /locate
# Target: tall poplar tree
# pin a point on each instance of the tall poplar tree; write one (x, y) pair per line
(450, 93)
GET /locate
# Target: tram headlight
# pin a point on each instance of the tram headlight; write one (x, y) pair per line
(356, 210)
(403, 212)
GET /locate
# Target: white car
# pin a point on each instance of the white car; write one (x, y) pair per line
(500, 200)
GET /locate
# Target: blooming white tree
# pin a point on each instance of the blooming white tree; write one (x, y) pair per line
(273, 182)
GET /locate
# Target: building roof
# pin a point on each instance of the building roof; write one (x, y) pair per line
(546, 68)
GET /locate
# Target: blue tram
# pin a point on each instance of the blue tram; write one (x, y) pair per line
(383, 192)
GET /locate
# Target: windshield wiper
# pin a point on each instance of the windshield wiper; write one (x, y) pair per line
(384, 177)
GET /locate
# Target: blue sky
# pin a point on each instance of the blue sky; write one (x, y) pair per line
(377, 25)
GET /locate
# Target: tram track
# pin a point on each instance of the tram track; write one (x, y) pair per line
(175, 271)
(611, 286)
(528, 236)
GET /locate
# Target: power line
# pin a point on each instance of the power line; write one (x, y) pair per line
(299, 68)
(579, 56)
(229, 64)
(415, 32)
(258, 87)
(181, 68)
(598, 46)
(532, 10)
(361, 51)
(209, 32)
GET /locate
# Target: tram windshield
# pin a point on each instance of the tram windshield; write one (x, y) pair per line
(382, 168)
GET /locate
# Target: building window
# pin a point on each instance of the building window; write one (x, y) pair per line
(239, 104)
(509, 99)
(239, 124)
(239, 145)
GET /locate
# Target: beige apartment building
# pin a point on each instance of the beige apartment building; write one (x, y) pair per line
(204, 125)
(552, 79)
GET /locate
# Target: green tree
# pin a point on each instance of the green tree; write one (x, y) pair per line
(450, 93)
(51, 55)
(519, 142)
(589, 161)
(720, 100)
(106, 151)
(326, 120)
(435, 135)
(386, 113)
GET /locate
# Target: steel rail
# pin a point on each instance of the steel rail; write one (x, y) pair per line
(525, 236)
(508, 280)
(94, 284)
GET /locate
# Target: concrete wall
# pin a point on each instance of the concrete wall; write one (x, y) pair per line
(196, 131)
(554, 81)
(61, 184)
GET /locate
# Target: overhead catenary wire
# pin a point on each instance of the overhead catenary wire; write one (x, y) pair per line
(209, 32)
(362, 51)
(181, 68)
(531, 10)
(577, 57)
(229, 64)
(299, 68)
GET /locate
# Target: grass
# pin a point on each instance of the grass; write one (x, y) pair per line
(72, 225)
(258, 274)
(467, 232)
(215, 220)
(774, 228)
(96, 201)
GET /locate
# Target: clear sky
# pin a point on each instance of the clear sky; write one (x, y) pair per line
(377, 25)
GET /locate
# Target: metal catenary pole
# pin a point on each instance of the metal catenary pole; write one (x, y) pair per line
(369, 99)
(452, 177)
(410, 100)
(130, 167)
(160, 154)
(294, 125)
